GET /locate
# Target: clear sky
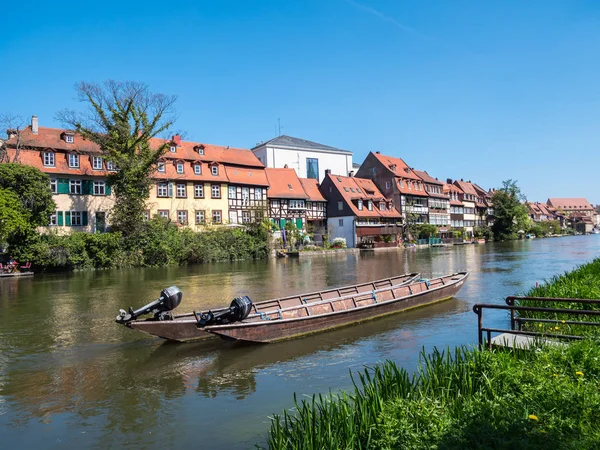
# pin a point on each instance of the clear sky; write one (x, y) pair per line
(480, 90)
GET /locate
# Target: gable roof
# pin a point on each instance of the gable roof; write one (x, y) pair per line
(246, 176)
(466, 187)
(453, 189)
(311, 187)
(396, 166)
(428, 178)
(352, 188)
(293, 142)
(284, 183)
(569, 204)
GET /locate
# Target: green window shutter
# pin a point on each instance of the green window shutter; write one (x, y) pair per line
(282, 223)
(84, 218)
(299, 224)
(59, 218)
(68, 218)
(87, 187)
(107, 189)
(63, 186)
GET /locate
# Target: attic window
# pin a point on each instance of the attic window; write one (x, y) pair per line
(214, 170)
(173, 148)
(346, 189)
(197, 169)
(358, 190)
(179, 168)
(339, 179)
(69, 139)
(199, 149)
(161, 167)
(351, 189)
(290, 186)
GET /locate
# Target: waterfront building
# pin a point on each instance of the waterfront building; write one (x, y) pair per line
(468, 197)
(483, 206)
(398, 182)
(309, 159)
(316, 207)
(438, 202)
(287, 198)
(568, 206)
(77, 171)
(358, 212)
(247, 194)
(539, 212)
(457, 209)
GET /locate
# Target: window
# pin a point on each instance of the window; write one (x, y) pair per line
(179, 168)
(73, 160)
(54, 185)
(197, 169)
(346, 189)
(215, 191)
(146, 214)
(53, 220)
(360, 205)
(74, 186)
(340, 206)
(198, 191)
(49, 159)
(163, 213)
(162, 190)
(214, 170)
(341, 222)
(382, 206)
(200, 217)
(99, 188)
(296, 204)
(172, 148)
(233, 217)
(246, 196)
(161, 167)
(370, 205)
(388, 184)
(182, 217)
(181, 190)
(232, 191)
(216, 216)
(96, 163)
(246, 217)
(111, 166)
(69, 139)
(76, 218)
(312, 168)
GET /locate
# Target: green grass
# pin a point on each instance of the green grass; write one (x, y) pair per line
(465, 398)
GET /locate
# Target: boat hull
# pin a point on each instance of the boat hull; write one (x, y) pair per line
(277, 330)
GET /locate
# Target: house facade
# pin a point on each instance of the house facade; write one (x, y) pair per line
(287, 198)
(316, 209)
(358, 212)
(438, 202)
(469, 200)
(309, 159)
(457, 210)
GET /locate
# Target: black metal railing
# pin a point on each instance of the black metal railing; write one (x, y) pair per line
(516, 322)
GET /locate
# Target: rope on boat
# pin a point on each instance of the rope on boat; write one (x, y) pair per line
(374, 295)
(264, 316)
(426, 281)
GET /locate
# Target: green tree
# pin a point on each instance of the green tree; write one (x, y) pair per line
(14, 218)
(510, 214)
(423, 230)
(32, 188)
(122, 118)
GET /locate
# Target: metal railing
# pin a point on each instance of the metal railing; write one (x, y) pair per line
(516, 322)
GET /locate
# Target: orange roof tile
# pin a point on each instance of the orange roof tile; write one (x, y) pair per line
(284, 183)
(569, 204)
(61, 166)
(466, 187)
(311, 187)
(248, 176)
(397, 166)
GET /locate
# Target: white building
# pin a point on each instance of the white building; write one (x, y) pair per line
(309, 159)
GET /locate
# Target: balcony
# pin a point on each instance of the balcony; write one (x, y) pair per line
(416, 209)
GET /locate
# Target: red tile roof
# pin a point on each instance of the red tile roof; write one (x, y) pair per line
(569, 204)
(451, 188)
(467, 187)
(311, 187)
(428, 179)
(397, 166)
(52, 138)
(352, 188)
(61, 166)
(244, 175)
(284, 183)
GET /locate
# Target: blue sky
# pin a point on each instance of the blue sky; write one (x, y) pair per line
(480, 90)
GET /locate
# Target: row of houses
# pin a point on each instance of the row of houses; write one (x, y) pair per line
(577, 213)
(314, 186)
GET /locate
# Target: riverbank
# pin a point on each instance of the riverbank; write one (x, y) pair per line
(466, 398)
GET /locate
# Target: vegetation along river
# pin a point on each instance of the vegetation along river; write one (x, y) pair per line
(72, 378)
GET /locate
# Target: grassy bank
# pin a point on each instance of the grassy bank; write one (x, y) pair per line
(160, 243)
(464, 399)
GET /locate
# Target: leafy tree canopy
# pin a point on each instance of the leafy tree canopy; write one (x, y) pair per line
(122, 118)
(32, 188)
(510, 214)
(14, 219)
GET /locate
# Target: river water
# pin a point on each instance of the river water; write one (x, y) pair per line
(72, 378)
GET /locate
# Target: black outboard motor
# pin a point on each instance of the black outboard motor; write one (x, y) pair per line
(238, 310)
(169, 299)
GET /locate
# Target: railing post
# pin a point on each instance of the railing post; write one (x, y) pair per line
(477, 310)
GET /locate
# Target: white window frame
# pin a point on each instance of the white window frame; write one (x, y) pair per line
(200, 214)
(69, 139)
(161, 167)
(370, 205)
(182, 216)
(231, 192)
(215, 191)
(76, 219)
(173, 148)
(245, 196)
(214, 170)
(360, 205)
(181, 190)
(95, 160)
(198, 191)
(53, 220)
(110, 166)
(75, 185)
(163, 213)
(197, 169)
(74, 160)
(162, 190)
(99, 187)
(49, 159)
(179, 168)
(54, 185)
(220, 216)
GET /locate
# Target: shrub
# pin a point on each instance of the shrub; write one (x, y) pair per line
(339, 242)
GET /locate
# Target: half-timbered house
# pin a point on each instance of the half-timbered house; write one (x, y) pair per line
(287, 198)
(316, 204)
(247, 194)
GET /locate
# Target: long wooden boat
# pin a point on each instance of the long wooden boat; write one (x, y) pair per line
(15, 274)
(188, 327)
(294, 321)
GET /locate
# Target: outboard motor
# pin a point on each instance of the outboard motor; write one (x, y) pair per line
(238, 310)
(169, 299)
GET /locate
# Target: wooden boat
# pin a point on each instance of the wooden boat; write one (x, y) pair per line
(301, 319)
(15, 274)
(187, 327)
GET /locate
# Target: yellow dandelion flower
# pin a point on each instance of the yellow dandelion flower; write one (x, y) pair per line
(556, 328)
(579, 373)
(540, 325)
(563, 321)
(555, 374)
(533, 417)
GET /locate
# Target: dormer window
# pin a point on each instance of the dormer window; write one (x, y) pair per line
(214, 170)
(382, 206)
(370, 205)
(179, 167)
(173, 148)
(96, 163)
(74, 160)
(360, 205)
(290, 187)
(199, 149)
(69, 139)
(161, 167)
(110, 166)
(49, 159)
(197, 169)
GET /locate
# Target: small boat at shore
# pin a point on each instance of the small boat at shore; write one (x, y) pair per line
(15, 274)
(194, 325)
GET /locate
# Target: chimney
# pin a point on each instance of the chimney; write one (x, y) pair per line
(378, 152)
(448, 180)
(327, 171)
(462, 179)
(34, 124)
(351, 173)
(285, 166)
(177, 139)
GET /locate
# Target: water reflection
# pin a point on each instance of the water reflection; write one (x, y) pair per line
(69, 374)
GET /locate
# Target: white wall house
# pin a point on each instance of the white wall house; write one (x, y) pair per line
(309, 159)
(342, 227)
